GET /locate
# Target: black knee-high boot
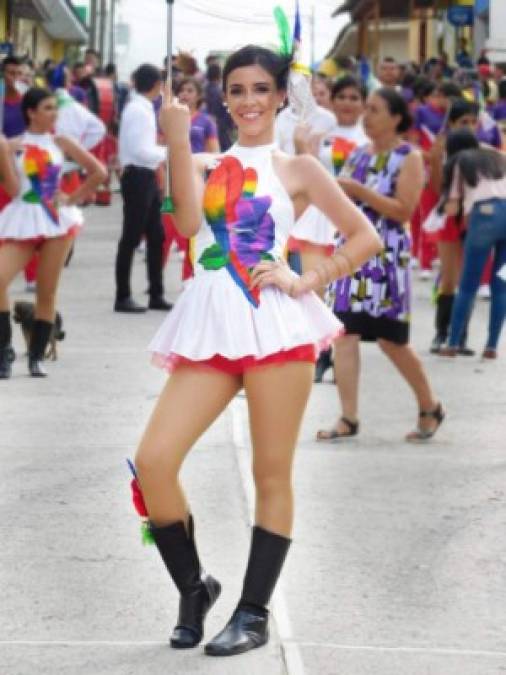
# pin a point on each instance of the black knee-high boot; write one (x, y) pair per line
(248, 627)
(199, 591)
(41, 332)
(6, 352)
(444, 306)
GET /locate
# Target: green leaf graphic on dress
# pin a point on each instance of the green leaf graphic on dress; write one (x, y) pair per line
(214, 258)
(31, 197)
(267, 256)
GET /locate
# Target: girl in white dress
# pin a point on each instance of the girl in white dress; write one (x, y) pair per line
(40, 218)
(244, 321)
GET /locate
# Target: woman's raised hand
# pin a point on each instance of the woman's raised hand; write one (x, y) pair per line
(174, 119)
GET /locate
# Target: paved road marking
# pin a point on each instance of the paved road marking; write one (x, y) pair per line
(410, 650)
(82, 643)
(289, 644)
(289, 647)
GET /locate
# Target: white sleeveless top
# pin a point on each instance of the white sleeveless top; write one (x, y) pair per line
(32, 213)
(248, 217)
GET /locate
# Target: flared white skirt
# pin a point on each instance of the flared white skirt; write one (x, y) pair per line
(212, 317)
(23, 221)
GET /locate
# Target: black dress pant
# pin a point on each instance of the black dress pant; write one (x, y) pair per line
(141, 216)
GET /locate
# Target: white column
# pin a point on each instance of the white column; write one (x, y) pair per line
(496, 44)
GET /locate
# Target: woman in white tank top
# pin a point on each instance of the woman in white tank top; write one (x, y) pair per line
(244, 321)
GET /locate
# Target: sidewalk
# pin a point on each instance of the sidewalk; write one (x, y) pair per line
(397, 566)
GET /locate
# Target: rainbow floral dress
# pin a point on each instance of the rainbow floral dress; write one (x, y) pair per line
(218, 319)
(33, 215)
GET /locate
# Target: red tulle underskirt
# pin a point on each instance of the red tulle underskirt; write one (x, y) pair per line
(305, 353)
(71, 233)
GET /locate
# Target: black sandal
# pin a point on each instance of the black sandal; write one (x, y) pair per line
(420, 434)
(333, 435)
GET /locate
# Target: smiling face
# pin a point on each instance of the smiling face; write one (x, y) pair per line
(43, 117)
(253, 100)
(348, 106)
(378, 120)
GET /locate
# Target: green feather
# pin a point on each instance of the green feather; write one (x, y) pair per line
(168, 205)
(285, 33)
(146, 534)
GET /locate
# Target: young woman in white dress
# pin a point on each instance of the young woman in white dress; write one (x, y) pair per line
(244, 322)
(40, 218)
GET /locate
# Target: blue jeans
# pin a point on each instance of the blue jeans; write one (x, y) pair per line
(486, 234)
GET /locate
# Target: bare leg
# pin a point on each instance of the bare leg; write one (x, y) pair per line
(450, 257)
(13, 258)
(275, 420)
(347, 371)
(53, 254)
(190, 401)
(410, 367)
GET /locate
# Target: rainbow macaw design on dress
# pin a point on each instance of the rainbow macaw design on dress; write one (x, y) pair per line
(341, 150)
(44, 178)
(242, 227)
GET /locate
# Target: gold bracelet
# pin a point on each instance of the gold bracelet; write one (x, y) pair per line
(346, 257)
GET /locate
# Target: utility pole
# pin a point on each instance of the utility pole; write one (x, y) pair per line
(93, 24)
(313, 35)
(112, 34)
(103, 25)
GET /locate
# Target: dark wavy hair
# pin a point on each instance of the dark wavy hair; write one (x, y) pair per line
(473, 161)
(277, 66)
(396, 106)
(32, 99)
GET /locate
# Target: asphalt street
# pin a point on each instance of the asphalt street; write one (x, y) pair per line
(398, 565)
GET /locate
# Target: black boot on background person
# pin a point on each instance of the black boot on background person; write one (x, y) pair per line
(41, 332)
(7, 354)
(444, 306)
(248, 627)
(199, 591)
(322, 365)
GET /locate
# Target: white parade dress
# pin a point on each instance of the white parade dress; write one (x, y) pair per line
(32, 215)
(248, 216)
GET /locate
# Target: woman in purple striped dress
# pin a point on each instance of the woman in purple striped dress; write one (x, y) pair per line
(385, 179)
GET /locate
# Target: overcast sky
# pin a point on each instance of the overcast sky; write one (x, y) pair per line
(204, 25)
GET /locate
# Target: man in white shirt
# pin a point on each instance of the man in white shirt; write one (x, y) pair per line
(140, 156)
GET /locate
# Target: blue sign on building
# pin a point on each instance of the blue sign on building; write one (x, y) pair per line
(6, 49)
(461, 15)
(481, 7)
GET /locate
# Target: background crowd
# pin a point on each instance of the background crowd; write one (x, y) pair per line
(441, 98)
